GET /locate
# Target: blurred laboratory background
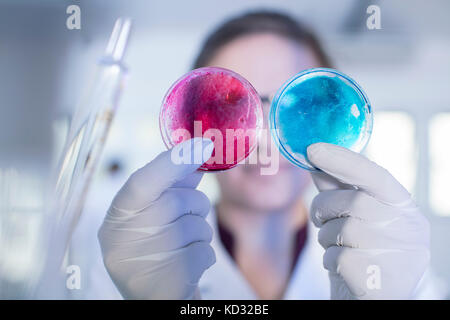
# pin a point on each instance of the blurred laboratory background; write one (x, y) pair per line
(404, 68)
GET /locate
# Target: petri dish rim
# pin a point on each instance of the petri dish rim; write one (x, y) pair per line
(274, 108)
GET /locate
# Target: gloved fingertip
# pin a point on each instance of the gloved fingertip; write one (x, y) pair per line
(195, 151)
(208, 147)
(315, 150)
(213, 258)
(203, 146)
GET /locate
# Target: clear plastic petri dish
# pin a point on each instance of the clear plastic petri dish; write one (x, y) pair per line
(213, 103)
(319, 105)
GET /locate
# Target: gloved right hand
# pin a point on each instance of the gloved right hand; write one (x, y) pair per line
(375, 237)
(154, 239)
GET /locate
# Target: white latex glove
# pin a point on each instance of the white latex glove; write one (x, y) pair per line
(154, 239)
(375, 237)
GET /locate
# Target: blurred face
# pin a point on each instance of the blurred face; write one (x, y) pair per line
(267, 61)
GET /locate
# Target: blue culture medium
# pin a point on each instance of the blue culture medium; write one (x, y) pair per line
(319, 105)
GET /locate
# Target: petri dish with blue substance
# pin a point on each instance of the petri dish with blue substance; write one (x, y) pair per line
(319, 105)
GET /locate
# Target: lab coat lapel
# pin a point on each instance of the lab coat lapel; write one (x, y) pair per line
(309, 279)
(223, 280)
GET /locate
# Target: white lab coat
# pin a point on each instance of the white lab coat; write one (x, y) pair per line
(223, 280)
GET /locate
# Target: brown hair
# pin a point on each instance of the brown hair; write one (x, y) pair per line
(259, 22)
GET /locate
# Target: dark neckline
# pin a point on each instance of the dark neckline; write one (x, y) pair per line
(227, 240)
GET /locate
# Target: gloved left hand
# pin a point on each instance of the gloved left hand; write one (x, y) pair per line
(155, 239)
(375, 237)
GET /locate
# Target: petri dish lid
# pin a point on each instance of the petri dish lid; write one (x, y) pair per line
(319, 105)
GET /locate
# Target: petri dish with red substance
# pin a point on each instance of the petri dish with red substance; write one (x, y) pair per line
(213, 103)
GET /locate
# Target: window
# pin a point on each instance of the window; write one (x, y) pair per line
(439, 151)
(393, 146)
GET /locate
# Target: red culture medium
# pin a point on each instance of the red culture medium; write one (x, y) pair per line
(214, 103)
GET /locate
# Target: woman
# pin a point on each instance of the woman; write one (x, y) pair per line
(156, 241)
(262, 219)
